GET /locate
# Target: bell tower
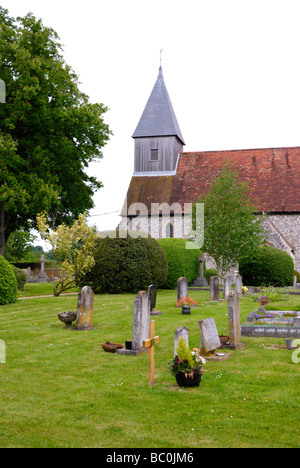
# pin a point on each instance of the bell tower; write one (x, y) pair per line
(157, 138)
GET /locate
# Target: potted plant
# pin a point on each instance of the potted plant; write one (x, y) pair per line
(186, 366)
(186, 303)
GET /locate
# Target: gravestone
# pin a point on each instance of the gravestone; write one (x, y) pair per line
(181, 332)
(85, 307)
(152, 294)
(182, 288)
(201, 281)
(234, 322)
(227, 283)
(141, 323)
(214, 288)
(295, 281)
(210, 341)
(42, 274)
(238, 285)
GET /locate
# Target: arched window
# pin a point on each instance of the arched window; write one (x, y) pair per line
(170, 230)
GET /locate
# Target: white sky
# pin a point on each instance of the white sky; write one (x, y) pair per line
(231, 68)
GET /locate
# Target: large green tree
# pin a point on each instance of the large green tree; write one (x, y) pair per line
(49, 131)
(233, 228)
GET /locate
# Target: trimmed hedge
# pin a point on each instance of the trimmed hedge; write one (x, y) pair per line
(8, 283)
(126, 265)
(269, 267)
(181, 261)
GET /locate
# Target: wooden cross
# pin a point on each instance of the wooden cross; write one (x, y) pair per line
(150, 343)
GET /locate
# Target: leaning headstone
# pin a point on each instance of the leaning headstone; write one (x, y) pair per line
(210, 341)
(85, 308)
(214, 288)
(141, 323)
(234, 322)
(182, 288)
(181, 332)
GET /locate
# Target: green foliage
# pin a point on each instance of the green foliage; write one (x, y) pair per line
(184, 352)
(273, 294)
(231, 228)
(21, 277)
(127, 264)
(209, 273)
(73, 246)
(18, 246)
(49, 131)
(181, 261)
(8, 283)
(268, 267)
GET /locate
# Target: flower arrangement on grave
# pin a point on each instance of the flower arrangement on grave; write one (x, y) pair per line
(264, 300)
(244, 289)
(256, 315)
(186, 302)
(187, 365)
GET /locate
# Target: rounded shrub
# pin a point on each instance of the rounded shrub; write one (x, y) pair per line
(126, 265)
(21, 277)
(269, 267)
(8, 283)
(181, 261)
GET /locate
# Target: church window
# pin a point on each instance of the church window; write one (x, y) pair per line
(170, 230)
(154, 155)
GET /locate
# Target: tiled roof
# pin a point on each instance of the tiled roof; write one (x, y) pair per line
(158, 118)
(274, 176)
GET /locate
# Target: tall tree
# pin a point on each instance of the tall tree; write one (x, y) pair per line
(49, 131)
(233, 229)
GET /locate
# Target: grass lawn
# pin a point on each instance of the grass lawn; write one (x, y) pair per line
(60, 389)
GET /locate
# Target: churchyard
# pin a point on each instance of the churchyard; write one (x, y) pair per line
(60, 389)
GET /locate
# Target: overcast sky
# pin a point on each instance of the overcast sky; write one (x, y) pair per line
(231, 68)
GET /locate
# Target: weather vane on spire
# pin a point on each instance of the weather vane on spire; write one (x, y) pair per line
(161, 50)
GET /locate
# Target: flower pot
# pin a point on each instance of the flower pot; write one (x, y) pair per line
(191, 379)
(186, 310)
(223, 339)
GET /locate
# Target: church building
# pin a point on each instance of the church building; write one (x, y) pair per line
(167, 181)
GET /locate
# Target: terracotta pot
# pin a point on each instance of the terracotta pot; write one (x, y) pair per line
(111, 347)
